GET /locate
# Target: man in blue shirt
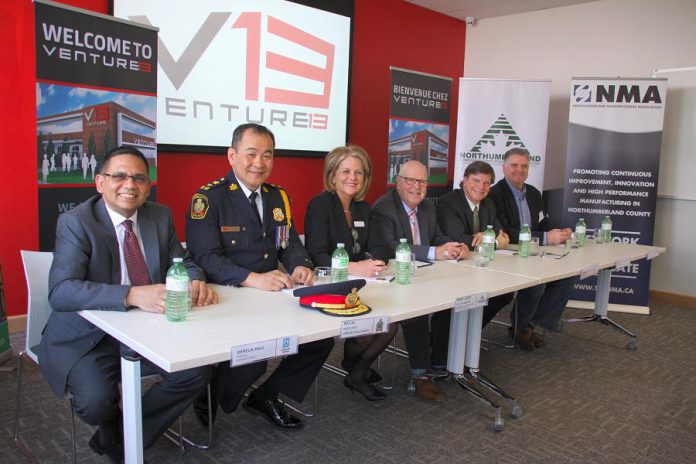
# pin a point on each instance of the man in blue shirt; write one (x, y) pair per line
(519, 203)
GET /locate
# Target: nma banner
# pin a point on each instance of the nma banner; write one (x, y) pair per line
(496, 115)
(612, 165)
(96, 85)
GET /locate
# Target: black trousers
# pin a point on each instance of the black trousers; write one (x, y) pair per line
(293, 377)
(93, 382)
(440, 326)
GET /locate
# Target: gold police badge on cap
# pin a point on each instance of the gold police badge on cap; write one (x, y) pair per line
(199, 206)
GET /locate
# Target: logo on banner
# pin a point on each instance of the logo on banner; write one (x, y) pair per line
(616, 95)
(258, 30)
(582, 93)
(493, 144)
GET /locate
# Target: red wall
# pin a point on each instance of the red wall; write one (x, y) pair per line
(386, 33)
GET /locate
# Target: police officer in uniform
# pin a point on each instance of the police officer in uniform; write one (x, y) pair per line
(238, 229)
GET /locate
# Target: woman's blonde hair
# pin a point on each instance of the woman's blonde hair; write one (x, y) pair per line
(336, 157)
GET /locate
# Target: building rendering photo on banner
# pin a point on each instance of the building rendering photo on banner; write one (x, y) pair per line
(96, 89)
(496, 115)
(419, 123)
(612, 167)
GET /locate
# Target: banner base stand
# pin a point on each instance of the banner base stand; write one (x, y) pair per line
(617, 308)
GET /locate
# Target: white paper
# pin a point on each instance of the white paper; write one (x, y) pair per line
(467, 302)
(253, 352)
(357, 327)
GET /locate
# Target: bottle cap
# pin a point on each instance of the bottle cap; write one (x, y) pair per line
(178, 260)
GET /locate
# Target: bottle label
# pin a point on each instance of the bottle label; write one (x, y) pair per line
(488, 238)
(606, 226)
(403, 257)
(525, 237)
(339, 263)
(579, 229)
(177, 285)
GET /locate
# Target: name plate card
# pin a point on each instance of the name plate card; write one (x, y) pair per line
(363, 326)
(589, 271)
(476, 300)
(622, 263)
(253, 352)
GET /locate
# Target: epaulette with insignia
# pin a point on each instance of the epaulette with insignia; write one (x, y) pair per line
(214, 184)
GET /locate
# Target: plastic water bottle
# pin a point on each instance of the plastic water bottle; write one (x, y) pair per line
(403, 262)
(489, 242)
(606, 229)
(580, 229)
(339, 264)
(525, 241)
(178, 301)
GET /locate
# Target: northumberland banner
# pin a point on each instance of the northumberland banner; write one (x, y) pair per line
(612, 165)
(419, 116)
(96, 85)
(496, 115)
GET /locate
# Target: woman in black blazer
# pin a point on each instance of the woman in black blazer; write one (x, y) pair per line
(339, 215)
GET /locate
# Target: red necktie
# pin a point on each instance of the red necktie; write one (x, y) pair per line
(414, 227)
(135, 262)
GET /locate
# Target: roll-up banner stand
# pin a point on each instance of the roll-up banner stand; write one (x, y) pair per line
(419, 125)
(496, 115)
(614, 137)
(96, 87)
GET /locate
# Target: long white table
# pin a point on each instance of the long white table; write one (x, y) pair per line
(247, 316)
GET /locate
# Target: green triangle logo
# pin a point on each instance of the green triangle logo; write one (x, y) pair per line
(499, 138)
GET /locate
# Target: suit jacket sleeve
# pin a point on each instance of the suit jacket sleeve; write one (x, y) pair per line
(69, 289)
(451, 217)
(317, 225)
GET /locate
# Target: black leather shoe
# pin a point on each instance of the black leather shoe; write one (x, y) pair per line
(200, 408)
(113, 451)
(274, 412)
(371, 375)
(366, 390)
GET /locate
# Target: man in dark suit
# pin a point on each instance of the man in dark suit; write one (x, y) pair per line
(519, 203)
(464, 214)
(238, 229)
(98, 264)
(403, 213)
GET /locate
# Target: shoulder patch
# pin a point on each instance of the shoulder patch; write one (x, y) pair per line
(199, 206)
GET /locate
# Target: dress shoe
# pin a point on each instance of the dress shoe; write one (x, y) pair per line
(538, 340)
(113, 451)
(200, 408)
(371, 375)
(366, 390)
(274, 411)
(438, 374)
(427, 390)
(524, 338)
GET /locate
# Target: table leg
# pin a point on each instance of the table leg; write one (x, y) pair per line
(601, 309)
(463, 350)
(132, 410)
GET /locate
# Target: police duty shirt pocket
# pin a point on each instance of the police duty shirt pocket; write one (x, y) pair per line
(235, 236)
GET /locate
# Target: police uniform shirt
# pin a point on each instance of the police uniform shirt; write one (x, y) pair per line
(226, 240)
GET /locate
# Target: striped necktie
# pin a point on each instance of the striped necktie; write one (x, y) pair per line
(414, 227)
(477, 225)
(135, 262)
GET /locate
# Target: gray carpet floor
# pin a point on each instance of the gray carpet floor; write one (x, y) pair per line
(585, 399)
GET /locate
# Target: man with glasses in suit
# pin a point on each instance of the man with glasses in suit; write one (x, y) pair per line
(405, 213)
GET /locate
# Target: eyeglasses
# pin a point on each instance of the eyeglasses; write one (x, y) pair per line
(356, 244)
(139, 179)
(410, 181)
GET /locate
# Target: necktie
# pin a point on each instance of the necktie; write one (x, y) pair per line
(252, 202)
(135, 262)
(477, 226)
(414, 227)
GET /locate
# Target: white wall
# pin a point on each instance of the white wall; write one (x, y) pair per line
(628, 38)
